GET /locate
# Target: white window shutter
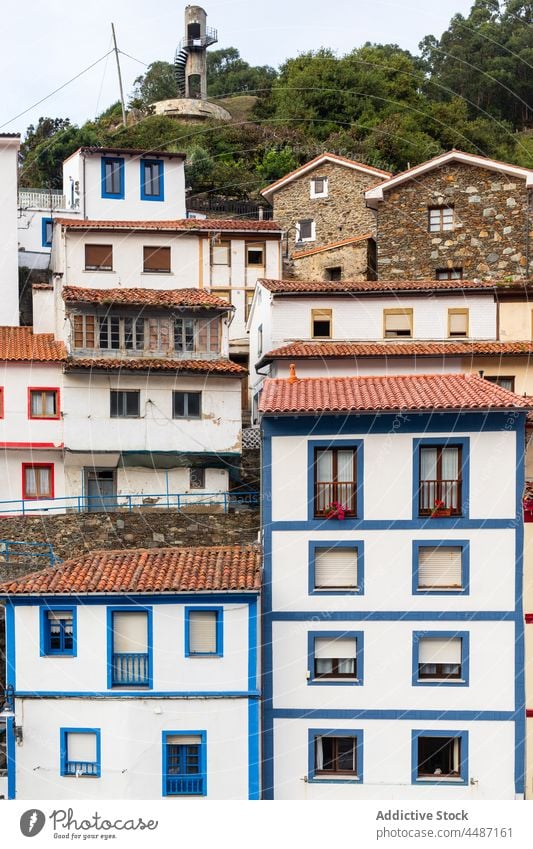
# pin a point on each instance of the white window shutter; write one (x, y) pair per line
(56, 615)
(328, 647)
(202, 632)
(432, 650)
(458, 323)
(336, 568)
(130, 632)
(440, 567)
(183, 740)
(398, 321)
(81, 747)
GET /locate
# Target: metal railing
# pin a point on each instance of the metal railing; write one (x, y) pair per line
(41, 199)
(81, 768)
(11, 550)
(128, 502)
(184, 785)
(435, 492)
(210, 37)
(242, 208)
(130, 668)
(329, 494)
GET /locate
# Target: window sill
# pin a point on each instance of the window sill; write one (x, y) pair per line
(334, 779)
(334, 682)
(151, 273)
(440, 779)
(100, 270)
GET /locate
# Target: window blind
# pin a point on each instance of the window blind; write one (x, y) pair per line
(183, 740)
(130, 632)
(81, 747)
(458, 324)
(156, 259)
(440, 651)
(202, 632)
(440, 567)
(336, 567)
(99, 256)
(327, 647)
(398, 321)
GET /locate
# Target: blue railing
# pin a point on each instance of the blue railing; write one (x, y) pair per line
(111, 503)
(81, 768)
(130, 668)
(12, 550)
(185, 785)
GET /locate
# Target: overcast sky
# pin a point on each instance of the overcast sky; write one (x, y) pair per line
(47, 43)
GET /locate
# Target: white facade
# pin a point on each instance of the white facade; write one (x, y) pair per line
(387, 712)
(188, 698)
(9, 309)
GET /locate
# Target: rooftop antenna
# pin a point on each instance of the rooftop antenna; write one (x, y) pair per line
(115, 48)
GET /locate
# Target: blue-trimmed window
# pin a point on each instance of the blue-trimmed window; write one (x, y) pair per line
(80, 752)
(204, 632)
(112, 177)
(184, 763)
(129, 647)
(58, 631)
(441, 567)
(335, 487)
(439, 757)
(441, 658)
(47, 228)
(335, 657)
(152, 179)
(441, 477)
(336, 568)
(335, 755)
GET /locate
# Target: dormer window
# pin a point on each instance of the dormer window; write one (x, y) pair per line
(305, 230)
(319, 187)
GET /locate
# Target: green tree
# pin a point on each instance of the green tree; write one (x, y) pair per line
(228, 74)
(158, 83)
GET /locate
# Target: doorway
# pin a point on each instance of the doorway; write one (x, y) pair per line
(101, 490)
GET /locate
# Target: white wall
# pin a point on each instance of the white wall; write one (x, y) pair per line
(11, 462)
(492, 455)
(172, 671)
(363, 366)
(387, 761)
(9, 300)
(93, 206)
(16, 379)
(131, 747)
(32, 252)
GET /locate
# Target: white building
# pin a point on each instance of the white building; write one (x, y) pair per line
(9, 307)
(135, 676)
(393, 548)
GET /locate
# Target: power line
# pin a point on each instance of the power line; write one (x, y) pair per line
(56, 90)
(140, 61)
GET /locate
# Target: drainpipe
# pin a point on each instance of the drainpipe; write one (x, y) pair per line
(84, 214)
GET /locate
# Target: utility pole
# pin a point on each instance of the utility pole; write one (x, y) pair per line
(119, 75)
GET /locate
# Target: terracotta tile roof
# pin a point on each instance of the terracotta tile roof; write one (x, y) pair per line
(146, 297)
(229, 568)
(295, 287)
(415, 392)
(45, 287)
(318, 160)
(175, 365)
(19, 344)
(234, 225)
(322, 350)
(332, 245)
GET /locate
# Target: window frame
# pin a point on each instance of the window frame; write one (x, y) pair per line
(495, 378)
(315, 316)
(357, 681)
(316, 545)
(312, 188)
(463, 544)
(319, 444)
(44, 631)
(152, 249)
(459, 311)
(63, 749)
(223, 244)
(332, 275)
(207, 608)
(161, 176)
(186, 393)
(441, 208)
(197, 469)
(43, 389)
(407, 311)
(463, 443)
(455, 273)
(463, 680)
(45, 223)
(255, 246)
(93, 268)
(461, 779)
(335, 778)
(248, 301)
(129, 688)
(203, 758)
(112, 195)
(123, 392)
(51, 467)
(299, 237)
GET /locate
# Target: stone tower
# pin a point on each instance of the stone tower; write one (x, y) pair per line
(191, 56)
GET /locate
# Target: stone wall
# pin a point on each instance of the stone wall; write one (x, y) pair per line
(341, 215)
(489, 239)
(351, 259)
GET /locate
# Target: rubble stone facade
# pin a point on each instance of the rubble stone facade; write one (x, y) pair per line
(492, 225)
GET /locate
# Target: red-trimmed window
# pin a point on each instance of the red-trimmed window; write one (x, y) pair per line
(37, 480)
(43, 402)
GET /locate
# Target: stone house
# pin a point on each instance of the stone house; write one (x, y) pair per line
(329, 230)
(457, 215)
